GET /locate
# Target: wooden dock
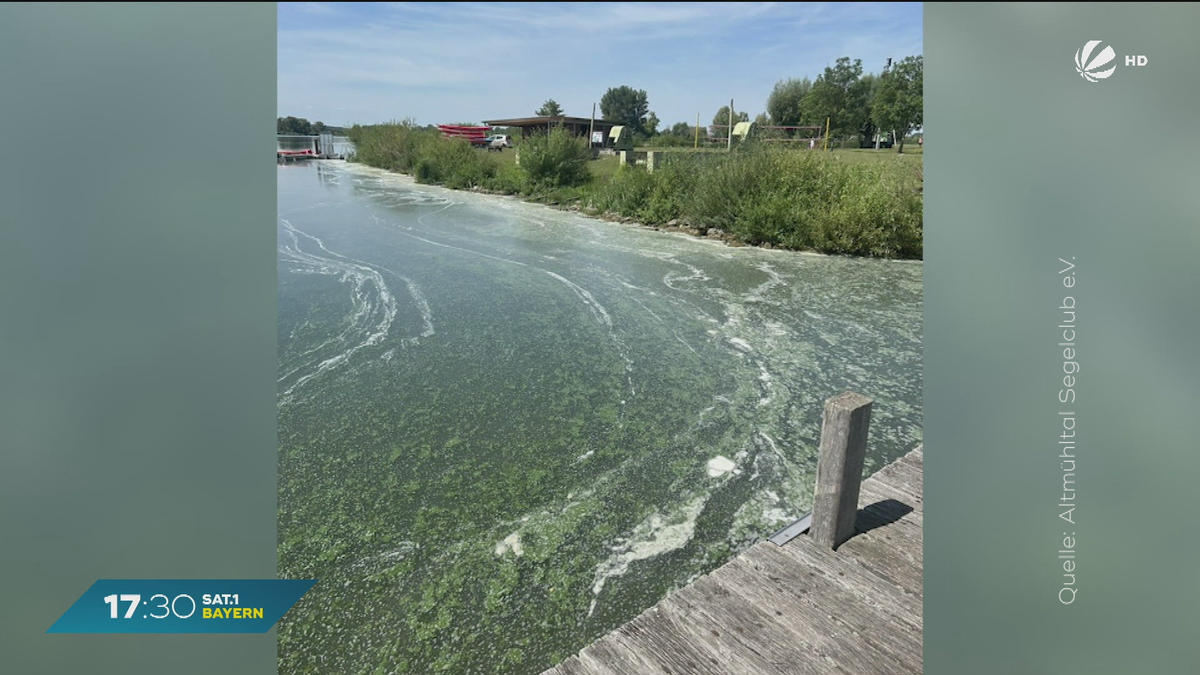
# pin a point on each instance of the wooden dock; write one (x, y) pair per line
(802, 608)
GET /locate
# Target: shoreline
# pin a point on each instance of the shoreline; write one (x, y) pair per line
(715, 235)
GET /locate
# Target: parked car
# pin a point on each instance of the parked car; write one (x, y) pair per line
(499, 141)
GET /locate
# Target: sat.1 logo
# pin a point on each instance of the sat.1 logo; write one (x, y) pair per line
(1092, 68)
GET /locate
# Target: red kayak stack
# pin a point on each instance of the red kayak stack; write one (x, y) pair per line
(475, 135)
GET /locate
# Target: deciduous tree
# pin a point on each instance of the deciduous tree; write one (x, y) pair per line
(682, 129)
(838, 95)
(293, 125)
(899, 100)
(722, 117)
(550, 108)
(783, 105)
(625, 105)
(651, 126)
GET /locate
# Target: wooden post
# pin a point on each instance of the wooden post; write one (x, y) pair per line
(592, 126)
(730, 125)
(839, 468)
(877, 130)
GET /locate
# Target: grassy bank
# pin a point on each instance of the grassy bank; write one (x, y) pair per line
(855, 202)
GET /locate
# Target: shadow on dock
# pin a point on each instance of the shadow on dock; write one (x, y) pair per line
(884, 512)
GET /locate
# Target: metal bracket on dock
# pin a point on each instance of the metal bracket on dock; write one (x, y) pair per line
(792, 531)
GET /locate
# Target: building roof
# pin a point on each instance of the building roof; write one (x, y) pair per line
(539, 121)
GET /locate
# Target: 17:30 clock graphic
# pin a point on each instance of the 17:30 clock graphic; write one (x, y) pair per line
(182, 606)
(167, 606)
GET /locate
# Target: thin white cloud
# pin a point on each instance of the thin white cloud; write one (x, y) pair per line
(443, 61)
(319, 8)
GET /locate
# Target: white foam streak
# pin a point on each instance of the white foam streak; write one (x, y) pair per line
(458, 248)
(597, 309)
(740, 344)
(695, 274)
(652, 537)
(773, 279)
(774, 448)
(367, 303)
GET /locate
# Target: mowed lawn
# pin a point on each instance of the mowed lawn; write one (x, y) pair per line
(913, 154)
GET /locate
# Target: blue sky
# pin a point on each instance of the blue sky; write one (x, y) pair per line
(363, 63)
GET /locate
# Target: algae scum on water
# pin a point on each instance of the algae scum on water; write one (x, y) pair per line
(506, 430)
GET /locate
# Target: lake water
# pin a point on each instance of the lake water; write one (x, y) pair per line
(505, 430)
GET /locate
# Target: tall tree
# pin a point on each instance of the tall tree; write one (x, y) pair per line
(783, 105)
(864, 98)
(682, 129)
(293, 125)
(651, 126)
(625, 105)
(899, 99)
(722, 116)
(838, 95)
(550, 108)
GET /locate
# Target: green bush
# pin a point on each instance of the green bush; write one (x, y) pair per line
(394, 147)
(425, 171)
(672, 141)
(424, 153)
(673, 187)
(454, 163)
(626, 193)
(555, 159)
(508, 179)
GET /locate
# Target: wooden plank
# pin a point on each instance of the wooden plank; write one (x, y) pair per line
(607, 656)
(868, 573)
(913, 460)
(839, 624)
(913, 494)
(762, 632)
(747, 641)
(908, 528)
(883, 559)
(877, 491)
(910, 465)
(880, 517)
(847, 571)
(902, 477)
(872, 525)
(681, 644)
(877, 509)
(900, 540)
(914, 457)
(892, 603)
(664, 645)
(573, 666)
